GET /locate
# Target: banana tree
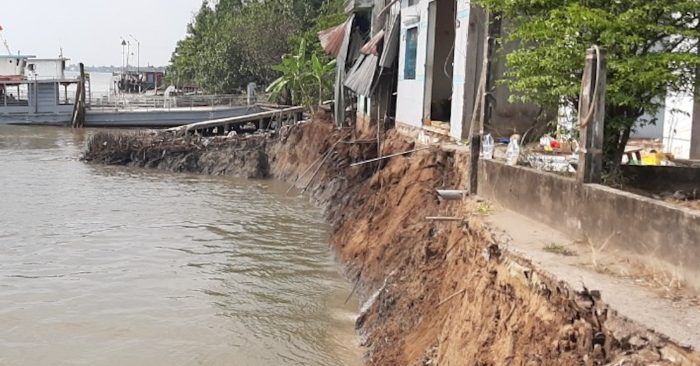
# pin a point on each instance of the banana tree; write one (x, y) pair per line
(295, 76)
(302, 76)
(321, 73)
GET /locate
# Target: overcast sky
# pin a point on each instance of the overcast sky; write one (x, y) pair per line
(90, 31)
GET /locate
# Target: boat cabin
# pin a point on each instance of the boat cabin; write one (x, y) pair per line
(46, 68)
(13, 65)
(138, 80)
(33, 89)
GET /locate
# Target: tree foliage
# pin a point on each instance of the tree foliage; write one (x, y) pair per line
(230, 43)
(652, 50)
(304, 75)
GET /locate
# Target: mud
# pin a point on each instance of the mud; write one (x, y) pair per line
(435, 292)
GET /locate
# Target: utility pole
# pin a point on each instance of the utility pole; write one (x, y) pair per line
(138, 61)
(591, 116)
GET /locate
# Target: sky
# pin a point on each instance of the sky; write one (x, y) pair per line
(91, 31)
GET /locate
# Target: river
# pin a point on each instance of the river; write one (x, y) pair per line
(116, 266)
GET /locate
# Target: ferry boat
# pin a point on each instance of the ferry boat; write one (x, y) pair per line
(35, 90)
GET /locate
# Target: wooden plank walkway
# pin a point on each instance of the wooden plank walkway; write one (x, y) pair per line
(223, 125)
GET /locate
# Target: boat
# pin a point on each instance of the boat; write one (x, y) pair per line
(35, 90)
(139, 80)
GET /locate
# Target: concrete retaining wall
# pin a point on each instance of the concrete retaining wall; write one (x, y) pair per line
(659, 233)
(663, 179)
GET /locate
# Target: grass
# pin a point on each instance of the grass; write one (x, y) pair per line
(559, 249)
(485, 208)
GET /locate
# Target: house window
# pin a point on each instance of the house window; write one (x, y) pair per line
(409, 71)
(411, 2)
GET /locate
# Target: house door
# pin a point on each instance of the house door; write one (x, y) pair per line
(439, 63)
(429, 59)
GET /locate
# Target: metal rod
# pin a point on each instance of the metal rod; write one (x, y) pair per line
(440, 218)
(452, 297)
(389, 156)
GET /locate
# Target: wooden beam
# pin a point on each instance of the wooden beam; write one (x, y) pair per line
(234, 120)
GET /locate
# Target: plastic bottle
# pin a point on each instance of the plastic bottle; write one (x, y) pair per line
(513, 151)
(487, 147)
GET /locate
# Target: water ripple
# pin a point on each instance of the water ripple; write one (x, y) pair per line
(114, 266)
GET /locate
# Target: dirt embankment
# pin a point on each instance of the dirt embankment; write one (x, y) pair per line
(436, 292)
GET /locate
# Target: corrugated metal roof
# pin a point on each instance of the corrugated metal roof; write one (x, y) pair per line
(361, 77)
(391, 44)
(372, 47)
(332, 39)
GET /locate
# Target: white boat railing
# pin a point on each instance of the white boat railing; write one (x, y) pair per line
(128, 102)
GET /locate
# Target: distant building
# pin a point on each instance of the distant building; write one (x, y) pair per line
(677, 125)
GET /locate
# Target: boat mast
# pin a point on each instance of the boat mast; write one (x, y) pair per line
(4, 42)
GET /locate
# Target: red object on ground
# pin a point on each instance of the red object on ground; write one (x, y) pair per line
(555, 144)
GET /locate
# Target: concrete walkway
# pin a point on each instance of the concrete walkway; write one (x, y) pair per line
(677, 317)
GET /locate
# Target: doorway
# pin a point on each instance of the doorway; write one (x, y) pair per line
(439, 70)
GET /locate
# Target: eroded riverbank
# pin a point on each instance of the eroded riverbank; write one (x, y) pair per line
(437, 292)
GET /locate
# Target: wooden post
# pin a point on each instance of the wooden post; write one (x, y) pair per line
(474, 151)
(695, 119)
(591, 117)
(36, 96)
(491, 32)
(79, 106)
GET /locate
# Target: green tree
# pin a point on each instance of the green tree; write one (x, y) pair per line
(232, 42)
(652, 49)
(306, 78)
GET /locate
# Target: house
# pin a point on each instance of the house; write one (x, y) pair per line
(418, 63)
(677, 125)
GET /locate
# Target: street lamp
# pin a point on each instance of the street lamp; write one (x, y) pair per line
(123, 54)
(119, 84)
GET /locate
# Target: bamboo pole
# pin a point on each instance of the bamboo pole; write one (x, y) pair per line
(389, 156)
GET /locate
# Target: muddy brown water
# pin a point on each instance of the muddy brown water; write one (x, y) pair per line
(115, 266)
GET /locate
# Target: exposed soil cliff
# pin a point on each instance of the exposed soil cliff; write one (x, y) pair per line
(437, 292)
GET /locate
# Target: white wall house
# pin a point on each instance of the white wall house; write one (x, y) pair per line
(681, 126)
(674, 126)
(419, 58)
(440, 62)
(440, 66)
